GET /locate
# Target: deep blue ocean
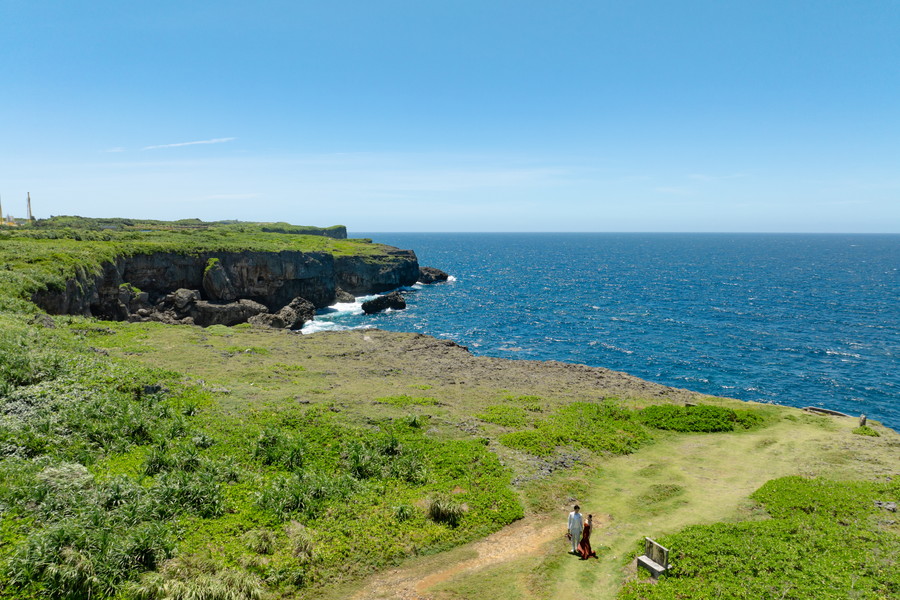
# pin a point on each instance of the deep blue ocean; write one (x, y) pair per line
(793, 319)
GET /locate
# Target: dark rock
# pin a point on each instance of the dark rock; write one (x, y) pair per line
(205, 313)
(360, 275)
(130, 300)
(45, 321)
(890, 506)
(342, 296)
(393, 300)
(292, 316)
(431, 275)
(164, 316)
(217, 284)
(267, 320)
(298, 312)
(182, 298)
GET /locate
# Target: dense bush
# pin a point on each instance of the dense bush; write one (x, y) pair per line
(701, 418)
(305, 494)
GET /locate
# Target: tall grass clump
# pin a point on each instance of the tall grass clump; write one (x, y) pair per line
(443, 509)
(278, 447)
(197, 578)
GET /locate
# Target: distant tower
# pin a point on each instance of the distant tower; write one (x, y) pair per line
(30, 218)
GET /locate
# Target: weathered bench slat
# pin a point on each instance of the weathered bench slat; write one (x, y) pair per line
(655, 559)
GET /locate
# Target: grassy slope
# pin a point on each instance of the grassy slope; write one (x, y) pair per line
(237, 383)
(713, 474)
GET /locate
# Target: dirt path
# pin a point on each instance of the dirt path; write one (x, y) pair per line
(523, 538)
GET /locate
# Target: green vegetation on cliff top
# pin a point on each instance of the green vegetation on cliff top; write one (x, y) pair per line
(154, 461)
(49, 252)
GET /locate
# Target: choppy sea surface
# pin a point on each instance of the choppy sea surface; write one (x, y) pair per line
(792, 319)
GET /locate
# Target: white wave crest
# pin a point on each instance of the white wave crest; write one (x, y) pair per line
(317, 326)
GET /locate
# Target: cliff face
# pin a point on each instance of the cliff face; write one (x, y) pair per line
(359, 276)
(270, 278)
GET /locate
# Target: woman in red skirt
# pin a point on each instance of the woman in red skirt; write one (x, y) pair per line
(584, 546)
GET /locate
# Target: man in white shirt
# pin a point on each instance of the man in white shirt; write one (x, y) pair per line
(576, 526)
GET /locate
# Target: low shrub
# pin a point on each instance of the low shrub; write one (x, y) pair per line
(505, 415)
(866, 430)
(539, 442)
(698, 419)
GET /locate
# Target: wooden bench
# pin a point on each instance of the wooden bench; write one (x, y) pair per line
(655, 558)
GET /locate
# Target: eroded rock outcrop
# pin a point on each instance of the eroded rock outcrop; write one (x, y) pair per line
(216, 282)
(342, 296)
(131, 286)
(432, 275)
(360, 275)
(393, 300)
(184, 306)
(206, 313)
(292, 316)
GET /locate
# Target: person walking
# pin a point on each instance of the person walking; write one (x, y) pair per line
(584, 546)
(576, 525)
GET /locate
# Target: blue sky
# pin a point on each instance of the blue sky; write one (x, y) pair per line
(389, 115)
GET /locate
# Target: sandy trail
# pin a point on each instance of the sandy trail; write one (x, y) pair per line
(523, 538)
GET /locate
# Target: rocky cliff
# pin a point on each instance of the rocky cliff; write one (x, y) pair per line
(272, 279)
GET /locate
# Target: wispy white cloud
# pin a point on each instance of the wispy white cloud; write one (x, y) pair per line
(180, 144)
(231, 197)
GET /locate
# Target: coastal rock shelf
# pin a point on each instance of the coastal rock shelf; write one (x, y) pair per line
(272, 279)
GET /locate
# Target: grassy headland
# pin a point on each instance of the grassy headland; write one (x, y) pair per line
(142, 460)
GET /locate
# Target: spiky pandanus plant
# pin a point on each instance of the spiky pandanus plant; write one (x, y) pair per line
(197, 578)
